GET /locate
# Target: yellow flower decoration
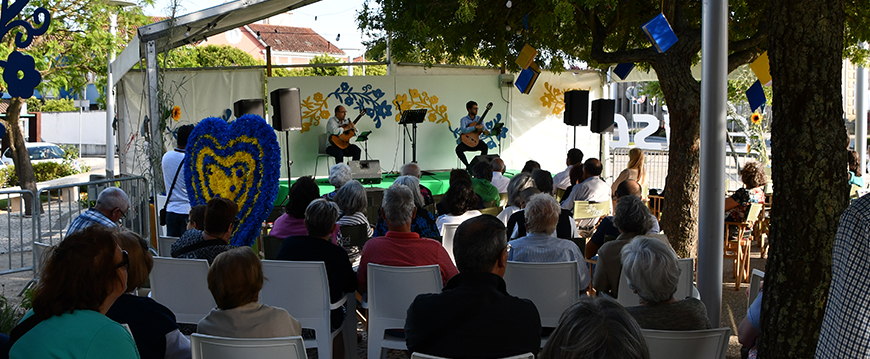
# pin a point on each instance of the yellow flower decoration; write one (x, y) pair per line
(756, 118)
(176, 113)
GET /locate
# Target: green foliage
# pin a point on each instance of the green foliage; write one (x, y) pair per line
(209, 56)
(5, 173)
(59, 105)
(324, 71)
(10, 315)
(44, 171)
(34, 104)
(27, 301)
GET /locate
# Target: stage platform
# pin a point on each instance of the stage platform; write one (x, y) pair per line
(437, 182)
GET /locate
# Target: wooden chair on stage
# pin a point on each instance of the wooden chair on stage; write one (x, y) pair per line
(738, 247)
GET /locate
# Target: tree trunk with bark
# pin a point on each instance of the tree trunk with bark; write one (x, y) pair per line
(811, 190)
(20, 156)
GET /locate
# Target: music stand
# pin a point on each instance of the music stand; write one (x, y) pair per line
(412, 117)
(364, 138)
(496, 130)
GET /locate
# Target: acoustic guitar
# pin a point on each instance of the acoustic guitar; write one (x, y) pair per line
(471, 139)
(343, 140)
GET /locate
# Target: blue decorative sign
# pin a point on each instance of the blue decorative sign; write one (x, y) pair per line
(19, 70)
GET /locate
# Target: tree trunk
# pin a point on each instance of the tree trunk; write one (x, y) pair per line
(20, 156)
(683, 95)
(809, 172)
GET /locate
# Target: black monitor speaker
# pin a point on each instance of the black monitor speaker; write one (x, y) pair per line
(286, 109)
(248, 106)
(576, 108)
(602, 115)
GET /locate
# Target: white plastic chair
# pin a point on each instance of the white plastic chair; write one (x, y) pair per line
(552, 287)
(302, 288)
(391, 290)
(182, 286)
(685, 286)
(447, 233)
(161, 201)
(692, 344)
(164, 246)
(427, 356)
(210, 347)
(754, 284)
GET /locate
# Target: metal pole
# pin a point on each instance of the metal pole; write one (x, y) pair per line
(155, 148)
(714, 71)
(110, 99)
(861, 116)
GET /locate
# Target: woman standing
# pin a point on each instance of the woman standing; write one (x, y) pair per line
(635, 170)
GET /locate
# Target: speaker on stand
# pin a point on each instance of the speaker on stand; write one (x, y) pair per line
(602, 115)
(286, 117)
(249, 106)
(576, 110)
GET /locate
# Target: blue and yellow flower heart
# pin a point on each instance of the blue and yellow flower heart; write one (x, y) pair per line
(240, 161)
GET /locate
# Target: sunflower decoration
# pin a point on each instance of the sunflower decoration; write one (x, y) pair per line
(756, 118)
(176, 113)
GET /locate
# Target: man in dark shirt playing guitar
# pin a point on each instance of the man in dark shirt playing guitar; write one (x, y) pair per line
(340, 131)
(471, 127)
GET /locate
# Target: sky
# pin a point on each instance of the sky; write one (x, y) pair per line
(333, 18)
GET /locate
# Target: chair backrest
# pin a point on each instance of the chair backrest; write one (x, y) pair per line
(492, 211)
(491, 204)
(392, 289)
(322, 144)
(755, 284)
(164, 245)
(685, 286)
(447, 233)
(427, 356)
(666, 344)
(358, 234)
(39, 250)
(583, 209)
(754, 210)
(161, 201)
(553, 287)
(211, 347)
(302, 288)
(182, 286)
(271, 246)
(502, 199)
(560, 194)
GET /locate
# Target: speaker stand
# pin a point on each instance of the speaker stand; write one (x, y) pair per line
(289, 162)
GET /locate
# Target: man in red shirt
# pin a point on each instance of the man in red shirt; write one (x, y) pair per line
(401, 247)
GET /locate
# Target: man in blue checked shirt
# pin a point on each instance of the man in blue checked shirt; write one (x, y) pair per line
(845, 333)
(468, 124)
(112, 206)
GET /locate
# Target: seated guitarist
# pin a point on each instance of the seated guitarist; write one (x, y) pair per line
(336, 125)
(467, 124)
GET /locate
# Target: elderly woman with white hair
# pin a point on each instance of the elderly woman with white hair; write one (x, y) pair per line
(413, 169)
(542, 214)
(339, 174)
(632, 218)
(652, 271)
(516, 185)
(352, 203)
(423, 222)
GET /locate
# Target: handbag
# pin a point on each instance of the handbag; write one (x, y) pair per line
(162, 215)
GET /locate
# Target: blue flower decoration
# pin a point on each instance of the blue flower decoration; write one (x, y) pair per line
(369, 98)
(21, 87)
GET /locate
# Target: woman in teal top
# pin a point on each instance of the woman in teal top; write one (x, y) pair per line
(82, 278)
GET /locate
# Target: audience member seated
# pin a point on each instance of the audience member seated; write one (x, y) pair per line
(591, 188)
(352, 203)
(112, 206)
(606, 231)
(652, 271)
(482, 182)
(83, 276)
(474, 316)
(566, 228)
(400, 246)
(235, 280)
(543, 180)
(460, 202)
(339, 174)
(455, 176)
(498, 179)
(220, 220)
(542, 214)
(632, 218)
(320, 220)
(634, 171)
(754, 179)
(562, 179)
(196, 218)
(412, 169)
(301, 193)
(596, 328)
(750, 327)
(575, 175)
(855, 169)
(153, 326)
(516, 185)
(423, 222)
(531, 165)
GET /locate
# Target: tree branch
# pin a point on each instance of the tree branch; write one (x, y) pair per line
(742, 57)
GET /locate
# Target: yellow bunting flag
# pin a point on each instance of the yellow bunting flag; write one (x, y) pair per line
(761, 68)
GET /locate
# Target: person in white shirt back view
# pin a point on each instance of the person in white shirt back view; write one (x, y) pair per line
(562, 180)
(498, 178)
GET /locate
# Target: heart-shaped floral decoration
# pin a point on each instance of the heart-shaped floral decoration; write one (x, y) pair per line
(240, 161)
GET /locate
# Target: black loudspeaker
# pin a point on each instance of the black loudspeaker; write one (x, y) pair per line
(577, 108)
(249, 106)
(481, 158)
(286, 109)
(602, 115)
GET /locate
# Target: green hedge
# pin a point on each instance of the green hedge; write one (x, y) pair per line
(44, 171)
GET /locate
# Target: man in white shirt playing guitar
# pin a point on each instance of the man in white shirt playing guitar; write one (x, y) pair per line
(471, 127)
(338, 126)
